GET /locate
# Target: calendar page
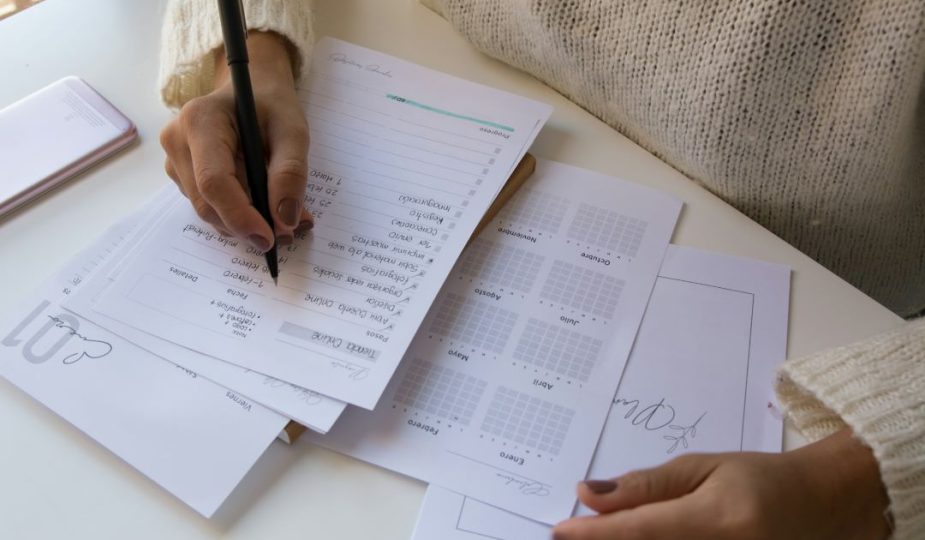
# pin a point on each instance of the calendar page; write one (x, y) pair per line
(506, 387)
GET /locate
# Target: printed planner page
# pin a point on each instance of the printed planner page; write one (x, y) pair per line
(698, 380)
(308, 408)
(404, 163)
(505, 390)
(190, 436)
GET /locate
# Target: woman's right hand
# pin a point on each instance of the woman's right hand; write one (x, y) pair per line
(204, 159)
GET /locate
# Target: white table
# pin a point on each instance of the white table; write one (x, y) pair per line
(57, 483)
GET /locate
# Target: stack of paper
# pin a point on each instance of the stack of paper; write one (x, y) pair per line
(489, 373)
(696, 381)
(404, 163)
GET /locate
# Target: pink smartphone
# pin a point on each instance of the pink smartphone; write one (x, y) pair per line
(52, 135)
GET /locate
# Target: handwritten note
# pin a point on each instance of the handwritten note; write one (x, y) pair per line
(142, 408)
(404, 162)
(506, 387)
(696, 381)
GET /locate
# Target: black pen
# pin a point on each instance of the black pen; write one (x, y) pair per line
(234, 31)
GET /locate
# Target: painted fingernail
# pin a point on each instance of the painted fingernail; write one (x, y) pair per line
(305, 226)
(289, 210)
(260, 243)
(601, 487)
(284, 240)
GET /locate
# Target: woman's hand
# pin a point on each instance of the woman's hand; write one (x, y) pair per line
(827, 490)
(203, 156)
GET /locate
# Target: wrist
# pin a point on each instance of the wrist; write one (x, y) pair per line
(842, 473)
(270, 62)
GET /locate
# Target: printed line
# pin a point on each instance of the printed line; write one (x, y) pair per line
(173, 316)
(383, 201)
(446, 231)
(345, 139)
(318, 280)
(412, 171)
(384, 254)
(332, 98)
(448, 132)
(341, 163)
(338, 319)
(479, 163)
(317, 352)
(421, 249)
(748, 354)
(459, 527)
(405, 181)
(342, 113)
(431, 163)
(446, 219)
(438, 141)
(338, 124)
(431, 108)
(358, 156)
(200, 274)
(489, 465)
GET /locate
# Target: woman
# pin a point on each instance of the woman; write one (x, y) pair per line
(807, 116)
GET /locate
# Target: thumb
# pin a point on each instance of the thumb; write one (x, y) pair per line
(287, 173)
(674, 479)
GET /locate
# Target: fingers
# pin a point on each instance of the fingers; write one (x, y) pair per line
(676, 478)
(203, 160)
(287, 173)
(212, 148)
(201, 146)
(668, 520)
(178, 167)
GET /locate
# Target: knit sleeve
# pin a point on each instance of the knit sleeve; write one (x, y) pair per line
(192, 32)
(877, 388)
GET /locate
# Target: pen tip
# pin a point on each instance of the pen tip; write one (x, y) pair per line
(275, 281)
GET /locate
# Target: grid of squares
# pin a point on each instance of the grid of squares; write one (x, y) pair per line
(607, 229)
(507, 266)
(582, 289)
(441, 392)
(559, 350)
(536, 210)
(527, 420)
(474, 323)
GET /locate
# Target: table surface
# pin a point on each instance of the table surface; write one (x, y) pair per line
(58, 483)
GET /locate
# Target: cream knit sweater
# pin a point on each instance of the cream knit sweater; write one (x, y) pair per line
(807, 116)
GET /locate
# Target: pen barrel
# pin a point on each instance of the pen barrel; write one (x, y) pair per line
(234, 30)
(255, 164)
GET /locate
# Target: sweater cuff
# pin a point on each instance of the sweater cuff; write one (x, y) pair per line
(192, 32)
(877, 388)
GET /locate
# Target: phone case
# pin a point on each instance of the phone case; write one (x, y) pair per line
(54, 134)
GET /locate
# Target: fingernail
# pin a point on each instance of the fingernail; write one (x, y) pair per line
(601, 487)
(305, 226)
(283, 240)
(289, 210)
(260, 243)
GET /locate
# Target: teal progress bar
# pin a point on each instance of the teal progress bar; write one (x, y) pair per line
(413, 103)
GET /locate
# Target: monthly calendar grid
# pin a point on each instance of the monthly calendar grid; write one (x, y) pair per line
(473, 323)
(559, 350)
(536, 210)
(506, 266)
(441, 392)
(583, 289)
(527, 420)
(607, 229)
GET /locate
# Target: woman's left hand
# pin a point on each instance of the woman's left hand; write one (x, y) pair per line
(827, 490)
